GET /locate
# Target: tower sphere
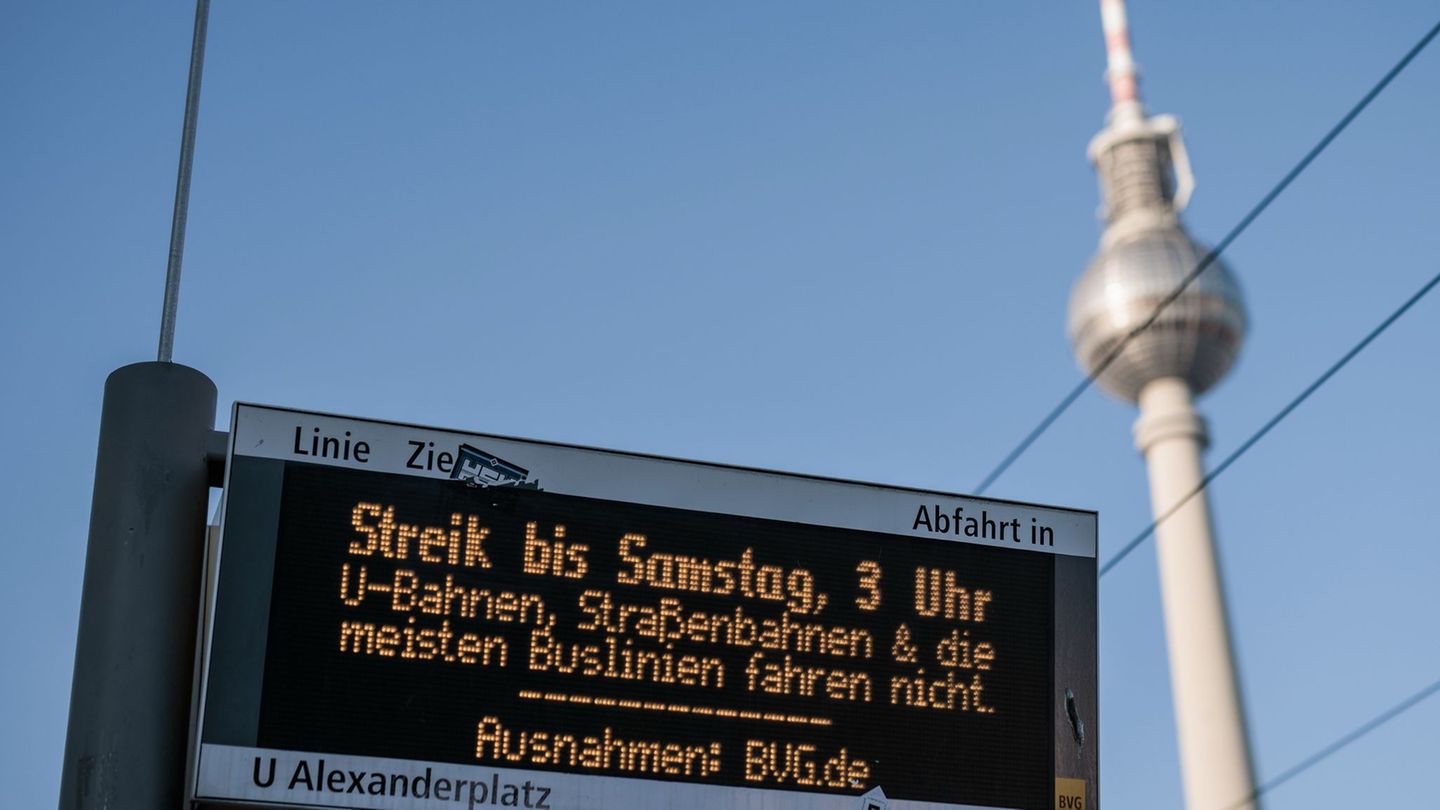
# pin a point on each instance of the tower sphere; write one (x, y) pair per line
(1196, 337)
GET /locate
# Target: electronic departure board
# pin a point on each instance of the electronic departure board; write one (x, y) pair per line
(404, 617)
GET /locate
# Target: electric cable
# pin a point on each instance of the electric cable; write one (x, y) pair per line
(1271, 423)
(1208, 259)
(1344, 740)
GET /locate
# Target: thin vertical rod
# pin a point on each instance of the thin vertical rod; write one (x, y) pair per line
(182, 184)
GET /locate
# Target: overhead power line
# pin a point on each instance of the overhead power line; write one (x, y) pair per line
(1271, 423)
(1209, 258)
(1329, 750)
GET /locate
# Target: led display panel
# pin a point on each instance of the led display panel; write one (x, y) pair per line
(405, 617)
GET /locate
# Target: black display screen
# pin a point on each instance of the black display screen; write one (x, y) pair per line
(430, 620)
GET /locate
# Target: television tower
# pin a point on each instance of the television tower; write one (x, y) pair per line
(1144, 255)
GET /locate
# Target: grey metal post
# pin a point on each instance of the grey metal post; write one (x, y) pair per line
(130, 697)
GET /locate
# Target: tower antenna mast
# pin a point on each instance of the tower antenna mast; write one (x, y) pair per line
(1120, 72)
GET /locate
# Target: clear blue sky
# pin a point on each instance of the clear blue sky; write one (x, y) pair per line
(830, 237)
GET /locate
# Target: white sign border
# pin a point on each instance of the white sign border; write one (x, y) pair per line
(289, 434)
(227, 775)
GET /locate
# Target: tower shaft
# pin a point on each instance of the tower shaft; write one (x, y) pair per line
(1209, 716)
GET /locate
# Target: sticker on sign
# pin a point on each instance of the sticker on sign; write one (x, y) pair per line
(874, 800)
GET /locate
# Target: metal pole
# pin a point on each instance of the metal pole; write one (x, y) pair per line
(1210, 720)
(182, 184)
(125, 745)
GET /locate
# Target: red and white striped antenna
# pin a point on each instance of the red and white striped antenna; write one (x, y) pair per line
(1120, 72)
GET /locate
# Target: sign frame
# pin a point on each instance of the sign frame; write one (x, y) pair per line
(287, 434)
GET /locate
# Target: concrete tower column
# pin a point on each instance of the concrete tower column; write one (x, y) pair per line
(1214, 750)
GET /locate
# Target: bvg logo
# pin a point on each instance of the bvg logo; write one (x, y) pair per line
(1069, 794)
